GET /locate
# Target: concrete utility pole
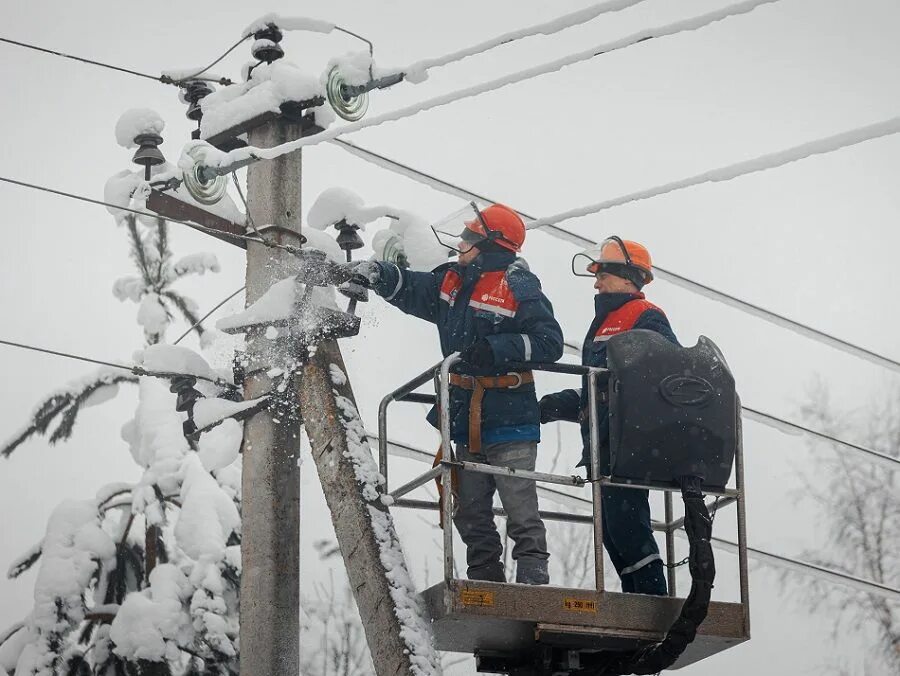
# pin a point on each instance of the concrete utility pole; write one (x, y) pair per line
(399, 640)
(398, 635)
(270, 544)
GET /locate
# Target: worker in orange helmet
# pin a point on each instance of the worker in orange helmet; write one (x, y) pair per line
(620, 268)
(489, 307)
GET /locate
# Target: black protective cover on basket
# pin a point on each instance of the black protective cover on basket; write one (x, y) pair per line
(672, 410)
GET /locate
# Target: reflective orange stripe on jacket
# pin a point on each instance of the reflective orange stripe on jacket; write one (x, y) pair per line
(491, 292)
(623, 318)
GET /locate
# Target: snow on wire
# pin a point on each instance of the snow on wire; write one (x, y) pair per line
(136, 369)
(417, 72)
(225, 163)
(772, 160)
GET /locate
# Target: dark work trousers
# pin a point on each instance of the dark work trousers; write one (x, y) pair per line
(629, 540)
(475, 519)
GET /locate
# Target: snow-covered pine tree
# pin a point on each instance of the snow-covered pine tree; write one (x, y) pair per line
(142, 578)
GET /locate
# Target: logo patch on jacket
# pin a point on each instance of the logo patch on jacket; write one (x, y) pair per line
(623, 319)
(491, 293)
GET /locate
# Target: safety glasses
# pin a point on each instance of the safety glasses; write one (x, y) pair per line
(611, 250)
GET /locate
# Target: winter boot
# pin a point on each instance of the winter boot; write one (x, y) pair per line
(532, 571)
(490, 572)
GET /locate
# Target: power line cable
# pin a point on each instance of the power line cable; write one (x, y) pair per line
(206, 316)
(249, 154)
(789, 427)
(828, 144)
(661, 273)
(546, 28)
(165, 79)
(223, 81)
(135, 369)
(415, 71)
(797, 565)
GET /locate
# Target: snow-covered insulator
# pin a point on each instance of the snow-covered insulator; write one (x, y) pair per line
(348, 238)
(202, 188)
(348, 106)
(183, 386)
(148, 153)
(388, 246)
(266, 47)
(194, 91)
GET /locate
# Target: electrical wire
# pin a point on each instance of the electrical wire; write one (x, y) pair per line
(551, 27)
(195, 226)
(196, 75)
(888, 461)
(206, 316)
(828, 144)
(158, 78)
(556, 231)
(135, 369)
(249, 154)
(240, 193)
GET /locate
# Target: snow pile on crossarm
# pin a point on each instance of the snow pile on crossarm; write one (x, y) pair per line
(269, 86)
(415, 627)
(135, 122)
(276, 304)
(280, 302)
(73, 547)
(212, 410)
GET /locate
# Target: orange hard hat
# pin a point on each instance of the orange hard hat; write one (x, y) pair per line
(616, 253)
(501, 224)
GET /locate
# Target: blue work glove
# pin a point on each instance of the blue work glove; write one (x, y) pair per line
(549, 408)
(364, 273)
(480, 355)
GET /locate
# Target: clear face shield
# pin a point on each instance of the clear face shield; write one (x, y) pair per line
(588, 262)
(462, 229)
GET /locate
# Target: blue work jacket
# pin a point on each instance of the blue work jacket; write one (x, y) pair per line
(495, 298)
(613, 313)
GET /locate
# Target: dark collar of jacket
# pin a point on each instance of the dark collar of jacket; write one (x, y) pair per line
(604, 303)
(486, 262)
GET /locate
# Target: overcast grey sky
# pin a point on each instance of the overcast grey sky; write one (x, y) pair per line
(816, 240)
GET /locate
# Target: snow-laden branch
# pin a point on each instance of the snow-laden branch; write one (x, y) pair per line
(64, 405)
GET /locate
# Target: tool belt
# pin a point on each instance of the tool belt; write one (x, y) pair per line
(477, 385)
